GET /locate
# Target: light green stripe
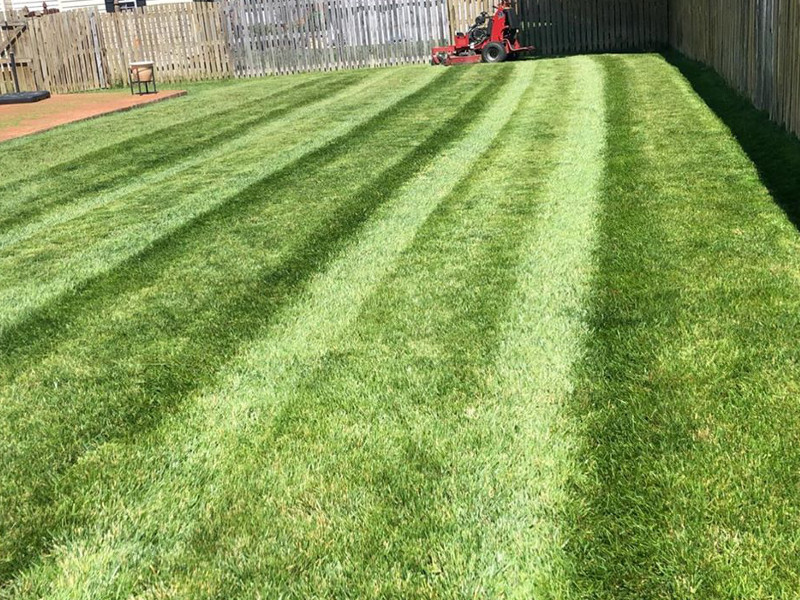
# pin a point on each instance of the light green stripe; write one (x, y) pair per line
(69, 142)
(542, 339)
(55, 147)
(335, 297)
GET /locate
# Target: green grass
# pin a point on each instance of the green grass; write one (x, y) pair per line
(509, 331)
(688, 397)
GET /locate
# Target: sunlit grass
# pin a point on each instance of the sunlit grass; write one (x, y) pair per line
(689, 397)
(509, 331)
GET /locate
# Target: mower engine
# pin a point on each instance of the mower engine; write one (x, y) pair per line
(489, 40)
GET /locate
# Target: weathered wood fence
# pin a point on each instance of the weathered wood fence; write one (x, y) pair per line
(186, 41)
(753, 44)
(276, 36)
(89, 49)
(11, 33)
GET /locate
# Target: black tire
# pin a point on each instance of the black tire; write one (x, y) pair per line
(494, 52)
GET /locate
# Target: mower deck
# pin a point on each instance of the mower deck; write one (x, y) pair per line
(463, 59)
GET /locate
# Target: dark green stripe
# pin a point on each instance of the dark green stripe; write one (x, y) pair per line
(628, 307)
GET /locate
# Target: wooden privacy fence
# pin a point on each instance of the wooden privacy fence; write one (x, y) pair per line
(276, 36)
(186, 41)
(753, 44)
(583, 26)
(66, 51)
(579, 26)
(88, 49)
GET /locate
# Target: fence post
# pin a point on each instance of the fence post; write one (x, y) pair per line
(13, 63)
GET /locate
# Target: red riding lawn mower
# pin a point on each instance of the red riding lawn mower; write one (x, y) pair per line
(489, 40)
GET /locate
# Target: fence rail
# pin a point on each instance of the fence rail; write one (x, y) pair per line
(753, 44)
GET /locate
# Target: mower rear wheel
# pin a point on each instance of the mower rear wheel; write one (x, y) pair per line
(494, 52)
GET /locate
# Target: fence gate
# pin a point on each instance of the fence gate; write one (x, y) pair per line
(68, 51)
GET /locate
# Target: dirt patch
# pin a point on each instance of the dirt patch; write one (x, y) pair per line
(17, 120)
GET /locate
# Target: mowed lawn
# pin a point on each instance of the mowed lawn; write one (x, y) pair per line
(527, 330)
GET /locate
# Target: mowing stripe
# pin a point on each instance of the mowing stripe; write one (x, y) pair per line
(541, 342)
(408, 367)
(335, 297)
(231, 303)
(263, 379)
(612, 534)
(34, 278)
(364, 469)
(109, 153)
(367, 533)
(689, 393)
(268, 190)
(408, 469)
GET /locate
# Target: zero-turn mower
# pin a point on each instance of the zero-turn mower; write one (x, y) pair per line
(491, 40)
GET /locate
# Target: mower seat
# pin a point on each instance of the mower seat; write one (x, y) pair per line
(478, 35)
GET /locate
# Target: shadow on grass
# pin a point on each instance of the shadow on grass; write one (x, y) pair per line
(774, 151)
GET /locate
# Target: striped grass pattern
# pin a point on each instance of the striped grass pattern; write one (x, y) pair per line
(507, 331)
